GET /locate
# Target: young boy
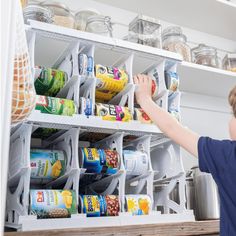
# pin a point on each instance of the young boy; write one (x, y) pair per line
(215, 156)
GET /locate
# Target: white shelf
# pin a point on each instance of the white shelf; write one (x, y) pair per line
(205, 80)
(91, 123)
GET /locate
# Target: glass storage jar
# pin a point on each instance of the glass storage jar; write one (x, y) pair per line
(99, 24)
(229, 62)
(174, 40)
(205, 55)
(82, 16)
(37, 12)
(62, 14)
(145, 30)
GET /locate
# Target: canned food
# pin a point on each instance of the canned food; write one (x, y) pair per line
(155, 82)
(83, 64)
(90, 66)
(53, 203)
(50, 81)
(86, 106)
(172, 81)
(97, 205)
(99, 160)
(55, 106)
(135, 162)
(141, 116)
(47, 164)
(90, 205)
(138, 204)
(113, 113)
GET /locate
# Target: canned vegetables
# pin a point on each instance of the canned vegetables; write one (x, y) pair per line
(53, 203)
(55, 106)
(99, 160)
(47, 164)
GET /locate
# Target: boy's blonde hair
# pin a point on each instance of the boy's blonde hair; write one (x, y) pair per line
(232, 100)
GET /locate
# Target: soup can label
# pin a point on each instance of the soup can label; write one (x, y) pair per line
(113, 112)
(83, 64)
(99, 160)
(112, 205)
(50, 81)
(91, 205)
(55, 106)
(138, 204)
(47, 164)
(135, 162)
(53, 203)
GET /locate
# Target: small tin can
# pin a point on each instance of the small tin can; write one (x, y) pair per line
(112, 205)
(50, 81)
(47, 164)
(172, 81)
(141, 116)
(86, 106)
(135, 162)
(99, 160)
(113, 112)
(90, 66)
(155, 82)
(139, 204)
(90, 205)
(55, 106)
(83, 64)
(53, 203)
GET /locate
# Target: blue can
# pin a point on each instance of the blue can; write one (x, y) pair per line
(90, 66)
(86, 106)
(90, 205)
(83, 64)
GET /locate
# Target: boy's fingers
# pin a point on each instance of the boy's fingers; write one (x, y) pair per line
(140, 78)
(135, 78)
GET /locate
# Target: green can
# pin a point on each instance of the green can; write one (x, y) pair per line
(50, 81)
(55, 106)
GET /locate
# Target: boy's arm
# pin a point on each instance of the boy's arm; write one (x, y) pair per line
(166, 123)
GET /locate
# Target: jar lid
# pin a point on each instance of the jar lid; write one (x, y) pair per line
(173, 31)
(100, 18)
(203, 49)
(86, 12)
(58, 8)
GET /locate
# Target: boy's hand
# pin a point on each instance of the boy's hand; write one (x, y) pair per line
(144, 88)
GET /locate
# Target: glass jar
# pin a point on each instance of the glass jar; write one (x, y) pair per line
(62, 14)
(229, 62)
(205, 55)
(99, 24)
(82, 16)
(145, 30)
(174, 40)
(37, 12)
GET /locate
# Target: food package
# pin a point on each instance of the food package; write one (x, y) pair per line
(174, 105)
(113, 112)
(172, 81)
(141, 116)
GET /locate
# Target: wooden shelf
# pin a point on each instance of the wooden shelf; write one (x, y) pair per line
(173, 229)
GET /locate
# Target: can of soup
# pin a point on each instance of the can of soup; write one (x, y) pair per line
(53, 203)
(47, 164)
(139, 204)
(155, 82)
(55, 106)
(141, 116)
(90, 66)
(135, 162)
(99, 160)
(172, 81)
(83, 64)
(50, 81)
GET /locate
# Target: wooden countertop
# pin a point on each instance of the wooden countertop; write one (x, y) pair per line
(170, 229)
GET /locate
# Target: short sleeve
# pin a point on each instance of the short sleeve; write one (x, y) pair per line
(215, 155)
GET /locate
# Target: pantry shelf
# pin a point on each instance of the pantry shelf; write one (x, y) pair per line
(91, 123)
(205, 80)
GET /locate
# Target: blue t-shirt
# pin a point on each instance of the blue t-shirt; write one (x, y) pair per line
(219, 158)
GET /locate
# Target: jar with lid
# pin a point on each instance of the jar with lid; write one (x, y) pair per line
(229, 62)
(62, 14)
(174, 40)
(145, 30)
(82, 16)
(99, 24)
(38, 13)
(205, 55)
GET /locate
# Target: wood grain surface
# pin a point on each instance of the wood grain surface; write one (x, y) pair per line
(170, 229)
